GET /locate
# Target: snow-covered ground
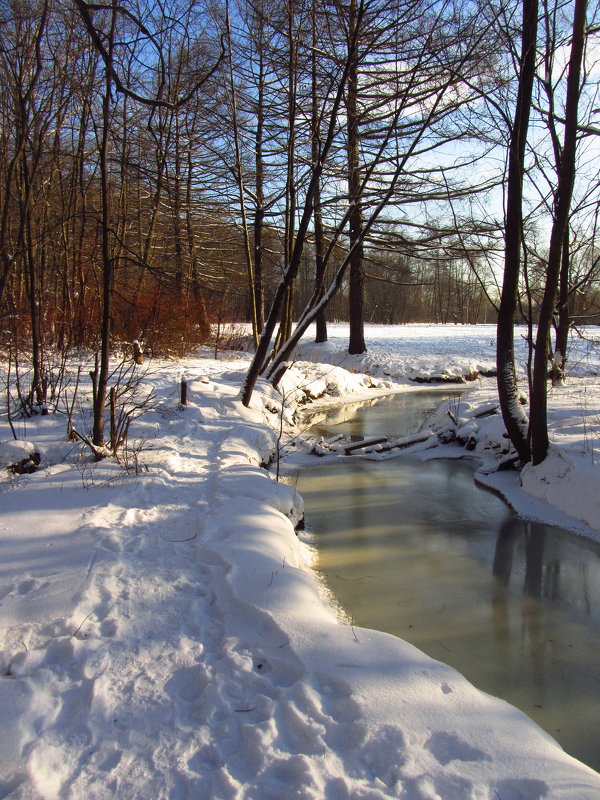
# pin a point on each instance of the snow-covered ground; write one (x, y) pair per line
(162, 634)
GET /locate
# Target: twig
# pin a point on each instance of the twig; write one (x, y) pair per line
(189, 538)
(98, 452)
(8, 410)
(75, 632)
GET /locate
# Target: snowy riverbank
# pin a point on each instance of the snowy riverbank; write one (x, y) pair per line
(163, 636)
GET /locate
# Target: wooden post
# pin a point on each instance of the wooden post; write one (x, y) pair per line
(113, 419)
(183, 397)
(138, 355)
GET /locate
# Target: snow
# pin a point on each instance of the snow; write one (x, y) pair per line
(163, 634)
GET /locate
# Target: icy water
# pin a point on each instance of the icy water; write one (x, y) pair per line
(418, 550)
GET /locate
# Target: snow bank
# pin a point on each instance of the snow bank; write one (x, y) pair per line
(568, 481)
(436, 353)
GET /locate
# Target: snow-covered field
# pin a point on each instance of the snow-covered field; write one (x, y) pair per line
(163, 636)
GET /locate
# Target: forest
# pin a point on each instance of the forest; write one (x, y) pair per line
(169, 167)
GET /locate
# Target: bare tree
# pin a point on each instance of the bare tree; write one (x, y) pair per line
(558, 239)
(142, 45)
(22, 66)
(512, 412)
(356, 343)
(404, 138)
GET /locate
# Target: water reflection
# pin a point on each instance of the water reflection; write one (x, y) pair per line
(395, 415)
(556, 566)
(416, 549)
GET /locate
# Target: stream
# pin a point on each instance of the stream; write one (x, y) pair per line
(416, 549)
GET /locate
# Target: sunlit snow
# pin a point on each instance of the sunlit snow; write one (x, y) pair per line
(163, 635)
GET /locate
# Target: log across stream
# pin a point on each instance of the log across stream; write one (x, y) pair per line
(418, 550)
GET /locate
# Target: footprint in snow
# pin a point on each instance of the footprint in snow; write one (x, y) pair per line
(280, 673)
(447, 747)
(112, 543)
(383, 753)
(188, 683)
(109, 628)
(448, 787)
(26, 586)
(337, 698)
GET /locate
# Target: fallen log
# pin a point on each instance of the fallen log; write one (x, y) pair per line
(386, 445)
(352, 446)
(408, 441)
(487, 411)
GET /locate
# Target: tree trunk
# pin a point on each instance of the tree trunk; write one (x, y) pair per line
(321, 319)
(512, 412)
(564, 316)
(239, 177)
(562, 206)
(260, 356)
(259, 213)
(356, 344)
(285, 329)
(107, 261)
